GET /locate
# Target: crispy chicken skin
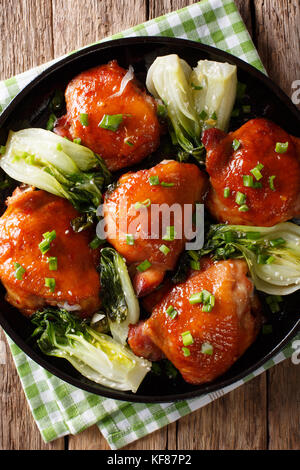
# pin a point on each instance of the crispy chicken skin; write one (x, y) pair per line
(189, 184)
(226, 167)
(93, 92)
(229, 328)
(29, 215)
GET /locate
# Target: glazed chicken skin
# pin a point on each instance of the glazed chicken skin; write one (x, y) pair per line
(186, 185)
(227, 330)
(277, 197)
(29, 215)
(95, 93)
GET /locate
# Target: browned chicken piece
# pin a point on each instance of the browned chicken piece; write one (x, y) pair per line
(129, 133)
(75, 283)
(202, 344)
(177, 184)
(254, 181)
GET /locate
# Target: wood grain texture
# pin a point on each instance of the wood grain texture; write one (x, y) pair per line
(265, 412)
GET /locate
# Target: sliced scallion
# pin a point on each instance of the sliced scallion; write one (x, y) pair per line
(111, 122)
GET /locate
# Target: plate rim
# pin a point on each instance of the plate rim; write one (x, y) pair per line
(21, 343)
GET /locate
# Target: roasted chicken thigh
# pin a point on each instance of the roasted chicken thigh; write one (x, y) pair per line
(131, 212)
(202, 344)
(254, 174)
(129, 133)
(30, 217)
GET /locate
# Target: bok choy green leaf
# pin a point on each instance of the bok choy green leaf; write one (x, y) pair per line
(47, 161)
(272, 253)
(119, 300)
(95, 355)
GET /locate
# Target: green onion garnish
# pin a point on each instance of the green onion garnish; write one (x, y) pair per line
(277, 241)
(44, 246)
(196, 265)
(52, 260)
(171, 312)
(248, 181)
(240, 198)
(236, 144)
(187, 338)
(271, 182)
(131, 144)
(50, 236)
(243, 208)
(111, 122)
(170, 233)
(50, 282)
(77, 141)
(164, 249)
(143, 266)
(207, 348)
(207, 308)
(281, 147)
(167, 185)
(140, 205)
(84, 119)
(226, 192)
(154, 180)
(186, 352)
(129, 239)
(203, 115)
(196, 298)
(19, 271)
(256, 171)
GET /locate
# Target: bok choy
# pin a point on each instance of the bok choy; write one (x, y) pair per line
(47, 161)
(195, 99)
(272, 253)
(96, 356)
(119, 300)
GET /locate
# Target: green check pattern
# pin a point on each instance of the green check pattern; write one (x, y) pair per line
(58, 408)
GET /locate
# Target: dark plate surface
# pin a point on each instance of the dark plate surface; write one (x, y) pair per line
(31, 109)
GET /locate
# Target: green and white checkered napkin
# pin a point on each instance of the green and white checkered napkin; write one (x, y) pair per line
(59, 408)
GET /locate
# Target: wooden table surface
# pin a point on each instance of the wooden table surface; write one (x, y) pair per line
(264, 413)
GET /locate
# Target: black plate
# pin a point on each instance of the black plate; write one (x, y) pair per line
(30, 109)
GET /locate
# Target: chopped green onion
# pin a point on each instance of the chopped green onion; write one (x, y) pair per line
(186, 352)
(256, 171)
(248, 181)
(51, 122)
(240, 198)
(129, 239)
(131, 144)
(50, 236)
(171, 312)
(236, 144)
(2, 149)
(277, 241)
(111, 122)
(167, 185)
(271, 182)
(95, 243)
(84, 119)
(243, 208)
(143, 266)
(196, 265)
(206, 296)
(140, 205)
(77, 141)
(281, 147)
(19, 271)
(207, 348)
(50, 282)
(44, 246)
(203, 115)
(154, 180)
(207, 308)
(226, 192)
(187, 338)
(196, 298)
(164, 249)
(52, 260)
(170, 234)
(196, 87)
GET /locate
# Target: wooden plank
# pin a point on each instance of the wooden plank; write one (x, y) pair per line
(76, 25)
(277, 32)
(18, 430)
(235, 421)
(26, 35)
